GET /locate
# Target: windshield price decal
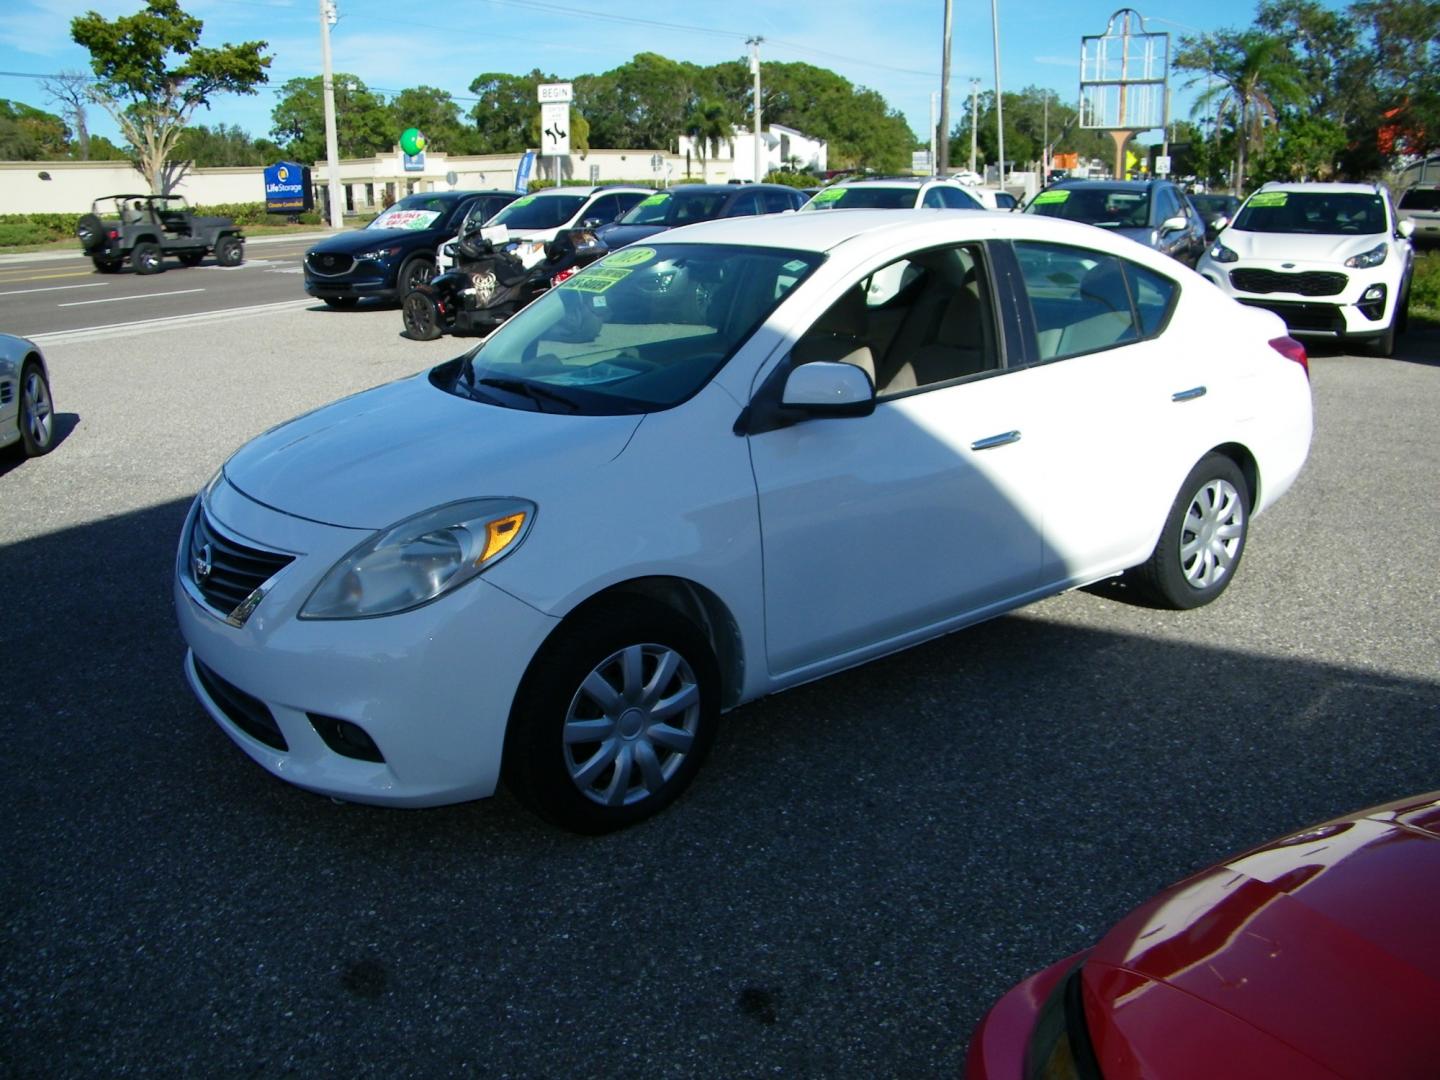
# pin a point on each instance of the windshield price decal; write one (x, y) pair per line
(654, 200)
(524, 200)
(824, 198)
(631, 257)
(1047, 197)
(596, 280)
(1268, 198)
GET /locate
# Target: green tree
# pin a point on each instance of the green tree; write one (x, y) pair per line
(642, 103)
(223, 146)
(507, 112)
(436, 114)
(153, 74)
(364, 123)
(31, 134)
(1304, 147)
(1249, 79)
(710, 124)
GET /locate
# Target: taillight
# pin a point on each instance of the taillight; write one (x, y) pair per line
(563, 275)
(114, 234)
(1291, 349)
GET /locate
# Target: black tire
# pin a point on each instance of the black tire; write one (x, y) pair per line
(1203, 511)
(562, 779)
(1384, 345)
(421, 316)
(37, 411)
(147, 258)
(340, 301)
(107, 264)
(414, 272)
(90, 231)
(230, 251)
(192, 258)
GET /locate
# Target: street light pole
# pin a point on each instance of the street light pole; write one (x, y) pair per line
(974, 120)
(328, 19)
(999, 99)
(754, 44)
(944, 167)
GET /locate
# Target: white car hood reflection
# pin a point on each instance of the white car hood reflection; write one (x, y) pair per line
(1328, 249)
(382, 455)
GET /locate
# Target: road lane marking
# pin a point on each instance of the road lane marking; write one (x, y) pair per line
(47, 277)
(148, 326)
(56, 288)
(117, 299)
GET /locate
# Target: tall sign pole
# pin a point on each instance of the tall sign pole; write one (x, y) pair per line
(328, 18)
(555, 101)
(944, 167)
(754, 44)
(999, 99)
(974, 120)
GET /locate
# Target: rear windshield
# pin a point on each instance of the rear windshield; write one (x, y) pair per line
(864, 198)
(539, 211)
(1421, 199)
(1344, 212)
(641, 330)
(1109, 208)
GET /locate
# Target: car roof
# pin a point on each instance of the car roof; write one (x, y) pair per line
(1324, 189)
(1109, 185)
(896, 181)
(553, 192)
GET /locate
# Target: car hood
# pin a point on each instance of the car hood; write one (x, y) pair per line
(1299, 248)
(617, 236)
(1324, 941)
(357, 240)
(370, 460)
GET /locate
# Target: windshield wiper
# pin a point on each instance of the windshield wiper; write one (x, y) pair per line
(534, 391)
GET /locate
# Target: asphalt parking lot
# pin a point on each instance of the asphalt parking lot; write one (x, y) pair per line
(863, 866)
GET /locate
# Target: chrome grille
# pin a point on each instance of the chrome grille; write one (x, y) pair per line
(327, 264)
(227, 573)
(1311, 283)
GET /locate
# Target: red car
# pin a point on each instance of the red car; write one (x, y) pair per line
(1316, 955)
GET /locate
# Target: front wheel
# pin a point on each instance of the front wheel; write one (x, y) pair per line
(230, 251)
(421, 316)
(614, 717)
(415, 272)
(37, 412)
(147, 259)
(1204, 536)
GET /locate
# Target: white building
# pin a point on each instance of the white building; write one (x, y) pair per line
(782, 147)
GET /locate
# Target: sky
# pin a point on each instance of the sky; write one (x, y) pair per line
(891, 47)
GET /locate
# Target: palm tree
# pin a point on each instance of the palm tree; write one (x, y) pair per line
(708, 124)
(1249, 78)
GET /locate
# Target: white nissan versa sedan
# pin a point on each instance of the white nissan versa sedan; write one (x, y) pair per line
(712, 466)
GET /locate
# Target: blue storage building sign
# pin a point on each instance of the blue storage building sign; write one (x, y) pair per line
(287, 188)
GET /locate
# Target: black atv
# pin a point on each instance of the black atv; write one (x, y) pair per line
(147, 228)
(489, 284)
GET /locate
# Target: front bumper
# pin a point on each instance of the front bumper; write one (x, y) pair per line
(432, 688)
(364, 277)
(1351, 310)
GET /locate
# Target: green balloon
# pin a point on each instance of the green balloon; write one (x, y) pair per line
(412, 142)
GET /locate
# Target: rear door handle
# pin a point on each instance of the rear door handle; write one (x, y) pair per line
(1189, 395)
(995, 440)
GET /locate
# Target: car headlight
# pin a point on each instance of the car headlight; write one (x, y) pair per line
(1374, 257)
(379, 253)
(1220, 253)
(420, 559)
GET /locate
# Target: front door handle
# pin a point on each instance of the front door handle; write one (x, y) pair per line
(995, 440)
(1189, 395)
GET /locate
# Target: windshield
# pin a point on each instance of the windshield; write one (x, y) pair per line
(1312, 212)
(412, 212)
(1109, 208)
(540, 211)
(675, 208)
(1421, 199)
(864, 198)
(641, 330)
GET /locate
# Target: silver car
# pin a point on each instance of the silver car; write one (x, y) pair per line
(1421, 205)
(27, 414)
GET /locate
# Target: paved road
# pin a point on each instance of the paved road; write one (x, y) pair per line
(42, 295)
(864, 864)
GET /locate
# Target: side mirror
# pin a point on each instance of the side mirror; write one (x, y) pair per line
(1219, 223)
(448, 249)
(1406, 228)
(829, 388)
(1175, 224)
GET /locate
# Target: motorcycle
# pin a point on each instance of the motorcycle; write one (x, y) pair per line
(489, 284)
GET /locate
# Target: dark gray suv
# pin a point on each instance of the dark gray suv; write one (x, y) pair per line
(1155, 213)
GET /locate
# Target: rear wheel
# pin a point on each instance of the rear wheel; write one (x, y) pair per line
(614, 717)
(1204, 536)
(147, 258)
(37, 413)
(422, 317)
(230, 251)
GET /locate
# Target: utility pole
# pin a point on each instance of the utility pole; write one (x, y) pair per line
(999, 98)
(754, 44)
(1045, 144)
(328, 18)
(944, 167)
(974, 119)
(934, 161)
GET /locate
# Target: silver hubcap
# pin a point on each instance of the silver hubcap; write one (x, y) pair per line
(36, 414)
(1210, 538)
(631, 724)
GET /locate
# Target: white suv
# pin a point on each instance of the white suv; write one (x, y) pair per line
(1332, 260)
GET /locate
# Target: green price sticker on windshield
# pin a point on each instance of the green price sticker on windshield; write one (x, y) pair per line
(1046, 198)
(524, 200)
(829, 195)
(1268, 198)
(654, 200)
(631, 257)
(596, 279)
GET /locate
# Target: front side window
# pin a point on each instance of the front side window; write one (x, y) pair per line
(641, 330)
(1080, 299)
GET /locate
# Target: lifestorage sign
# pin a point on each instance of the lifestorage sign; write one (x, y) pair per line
(287, 188)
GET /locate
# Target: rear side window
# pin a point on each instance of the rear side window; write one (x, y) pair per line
(1421, 199)
(1153, 295)
(1080, 299)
